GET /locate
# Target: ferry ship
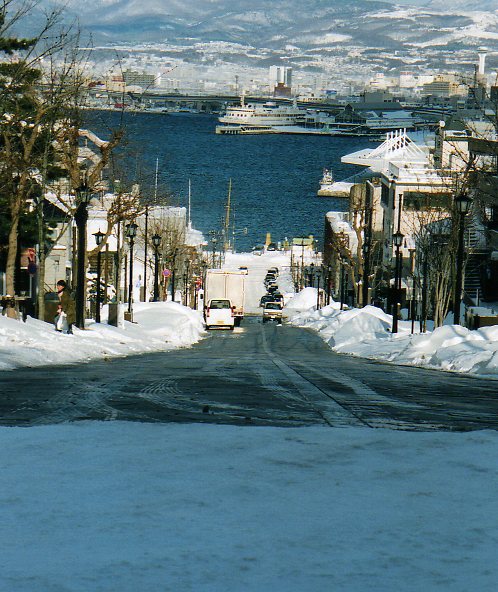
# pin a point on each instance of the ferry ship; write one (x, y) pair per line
(266, 115)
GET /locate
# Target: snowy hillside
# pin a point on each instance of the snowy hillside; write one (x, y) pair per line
(273, 24)
(325, 37)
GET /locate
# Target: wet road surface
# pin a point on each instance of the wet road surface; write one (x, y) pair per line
(257, 375)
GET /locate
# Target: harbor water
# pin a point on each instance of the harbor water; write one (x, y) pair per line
(275, 177)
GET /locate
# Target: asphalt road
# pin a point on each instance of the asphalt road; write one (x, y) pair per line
(257, 375)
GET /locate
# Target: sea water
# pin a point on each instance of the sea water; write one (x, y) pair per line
(274, 177)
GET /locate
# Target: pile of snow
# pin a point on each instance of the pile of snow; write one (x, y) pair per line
(366, 332)
(303, 300)
(136, 507)
(157, 326)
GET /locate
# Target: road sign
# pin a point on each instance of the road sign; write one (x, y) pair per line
(166, 272)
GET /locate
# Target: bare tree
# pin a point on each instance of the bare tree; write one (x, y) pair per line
(28, 118)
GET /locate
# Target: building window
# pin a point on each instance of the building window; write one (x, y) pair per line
(418, 201)
(384, 196)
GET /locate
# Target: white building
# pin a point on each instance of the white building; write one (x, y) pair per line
(280, 75)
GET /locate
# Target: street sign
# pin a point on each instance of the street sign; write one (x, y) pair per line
(166, 272)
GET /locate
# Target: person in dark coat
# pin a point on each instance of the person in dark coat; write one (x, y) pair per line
(66, 306)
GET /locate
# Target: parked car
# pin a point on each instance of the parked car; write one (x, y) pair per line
(273, 270)
(272, 247)
(243, 268)
(258, 250)
(272, 288)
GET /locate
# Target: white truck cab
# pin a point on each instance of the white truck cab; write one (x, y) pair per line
(220, 313)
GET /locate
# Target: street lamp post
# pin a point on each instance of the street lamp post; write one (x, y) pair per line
(131, 233)
(462, 203)
(214, 240)
(98, 239)
(81, 218)
(342, 287)
(318, 276)
(365, 283)
(173, 274)
(156, 241)
(329, 282)
(311, 277)
(397, 242)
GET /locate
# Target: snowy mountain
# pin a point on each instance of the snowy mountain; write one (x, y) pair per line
(459, 5)
(264, 23)
(372, 34)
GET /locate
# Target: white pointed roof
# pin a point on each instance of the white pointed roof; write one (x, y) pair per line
(397, 146)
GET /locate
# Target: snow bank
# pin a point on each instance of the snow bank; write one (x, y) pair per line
(158, 326)
(366, 332)
(303, 300)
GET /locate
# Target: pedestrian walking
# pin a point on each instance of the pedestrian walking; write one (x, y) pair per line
(66, 311)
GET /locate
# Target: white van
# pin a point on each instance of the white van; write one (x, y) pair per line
(219, 312)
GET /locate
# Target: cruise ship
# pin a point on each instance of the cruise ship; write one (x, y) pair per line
(266, 115)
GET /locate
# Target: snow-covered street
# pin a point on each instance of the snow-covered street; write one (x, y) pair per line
(123, 506)
(162, 326)
(102, 506)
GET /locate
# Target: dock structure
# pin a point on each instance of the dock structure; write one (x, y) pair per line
(235, 130)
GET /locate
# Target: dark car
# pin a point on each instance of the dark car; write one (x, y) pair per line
(273, 270)
(272, 288)
(266, 298)
(272, 247)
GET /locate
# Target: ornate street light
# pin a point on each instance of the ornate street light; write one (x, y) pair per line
(83, 196)
(98, 239)
(318, 274)
(131, 233)
(397, 242)
(214, 240)
(343, 286)
(463, 204)
(311, 279)
(156, 241)
(329, 282)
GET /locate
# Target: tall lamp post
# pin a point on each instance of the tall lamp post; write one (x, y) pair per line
(81, 218)
(397, 242)
(98, 239)
(318, 274)
(214, 240)
(311, 277)
(343, 287)
(131, 233)
(329, 282)
(462, 203)
(156, 241)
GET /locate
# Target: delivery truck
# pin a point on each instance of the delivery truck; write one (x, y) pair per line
(230, 285)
